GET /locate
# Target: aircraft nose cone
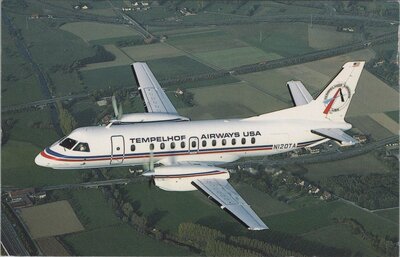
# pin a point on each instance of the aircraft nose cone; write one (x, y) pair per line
(41, 161)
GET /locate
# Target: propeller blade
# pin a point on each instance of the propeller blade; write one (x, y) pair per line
(341, 95)
(152, 182)
(119, 112)
(151, 161)
(115, 106)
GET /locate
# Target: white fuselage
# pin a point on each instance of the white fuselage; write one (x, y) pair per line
(211, 142)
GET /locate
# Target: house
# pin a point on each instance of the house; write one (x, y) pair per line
(35, 16)
(178, 91)
(313, 150)
(360, 138)
(325, 196)
(40, 195)
(17, 195)
(21, 198)
(102, 102)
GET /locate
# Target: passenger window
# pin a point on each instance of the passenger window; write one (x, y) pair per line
(151, 146)
(253, 140)
(183, 144)
(204, 143)
(233, 141)
(172, 145)
(243, 141)
(133, 148)
(162, 146)
(214, 142)
(223, 141)
(82, 147)
(194, 144)
(68, 143)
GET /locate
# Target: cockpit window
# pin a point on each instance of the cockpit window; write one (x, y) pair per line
(68, 143)
(82, 147)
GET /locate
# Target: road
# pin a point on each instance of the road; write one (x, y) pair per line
(18, 107)
(92, 184)
(10, 240)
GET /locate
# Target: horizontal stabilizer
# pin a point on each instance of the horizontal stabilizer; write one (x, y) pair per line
(299, 93)
(335, 134)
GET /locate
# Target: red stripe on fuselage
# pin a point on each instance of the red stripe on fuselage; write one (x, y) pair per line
(188, 176)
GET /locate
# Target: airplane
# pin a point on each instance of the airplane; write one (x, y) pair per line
(183, 155)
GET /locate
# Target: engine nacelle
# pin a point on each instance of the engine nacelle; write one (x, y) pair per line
(149, 117)
(179, 178)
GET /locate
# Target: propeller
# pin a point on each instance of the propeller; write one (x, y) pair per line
(149, 170)
(117, 110)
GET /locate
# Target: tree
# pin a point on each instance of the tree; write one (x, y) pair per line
(67, 121)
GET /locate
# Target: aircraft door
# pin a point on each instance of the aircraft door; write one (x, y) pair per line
(193, 145)
(117, 150)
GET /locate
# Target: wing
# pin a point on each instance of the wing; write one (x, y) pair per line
(299, 93)
(153, 95)
(221, 192)
(335, 134)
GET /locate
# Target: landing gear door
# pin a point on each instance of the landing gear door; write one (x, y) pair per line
(117, 150)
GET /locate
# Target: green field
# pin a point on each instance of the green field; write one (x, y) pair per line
(279, 38)
(113, 77)
(19, 169)
(204, 83)
(17, 76)
(119, 240)
(116, 40)
(120, 59)
(91, 207)
(394, 115)
(152, 51)
(205, 42)
(19, 152)
(121, 76)
(234, 57)
(63, 56)
(168, 209)
(340, 236)
(361, 165)
(262, 203)
(25, 121)
(179, 66)
(104, 233)
(324, 37)
(370, 127)
(321, 215)
(239, 100)
(392, 214)
(93, 30)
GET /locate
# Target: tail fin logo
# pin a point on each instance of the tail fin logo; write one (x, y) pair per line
(336, 98)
